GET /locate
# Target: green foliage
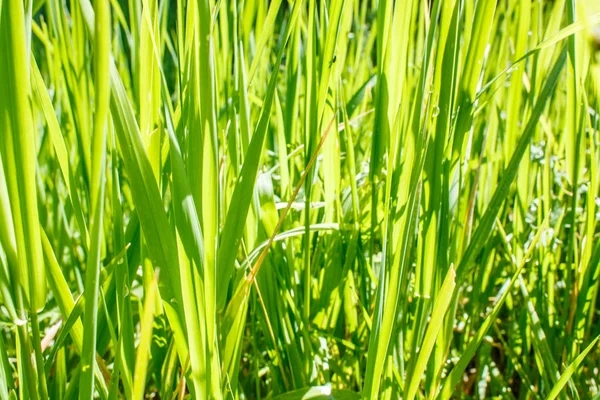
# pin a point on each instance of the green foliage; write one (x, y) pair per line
(299, 199)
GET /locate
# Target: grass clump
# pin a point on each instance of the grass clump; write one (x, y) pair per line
(299, 199)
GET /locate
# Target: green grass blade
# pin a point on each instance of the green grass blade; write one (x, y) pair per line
(98, 184)
(566, 375)
(487, 221)
(440, 308)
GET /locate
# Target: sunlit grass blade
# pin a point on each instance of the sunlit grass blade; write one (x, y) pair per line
(487, 221)
(566, 375)
(242, 195)
(435, 323)
(457, 371)
(98, 184)
(143, 350)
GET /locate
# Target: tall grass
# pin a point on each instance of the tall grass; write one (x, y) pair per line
(299, 199)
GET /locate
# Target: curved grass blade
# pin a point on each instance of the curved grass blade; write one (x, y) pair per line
(319, 393)
(242, 194)
(480, 235)
(566, 375)
(455, 375)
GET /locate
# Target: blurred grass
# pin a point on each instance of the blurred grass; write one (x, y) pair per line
(299, 199)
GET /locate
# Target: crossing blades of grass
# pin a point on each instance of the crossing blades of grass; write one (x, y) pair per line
(299, 199)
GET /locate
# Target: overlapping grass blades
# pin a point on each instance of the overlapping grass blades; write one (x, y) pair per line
(299, 199)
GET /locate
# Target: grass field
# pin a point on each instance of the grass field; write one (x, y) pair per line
(299, 199)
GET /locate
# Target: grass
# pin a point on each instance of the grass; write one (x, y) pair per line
(299, 199)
